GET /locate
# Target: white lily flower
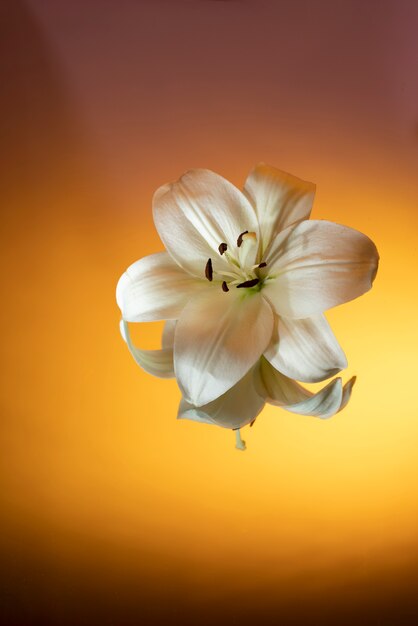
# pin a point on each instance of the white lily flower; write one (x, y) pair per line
(241, 404)
(245, 274)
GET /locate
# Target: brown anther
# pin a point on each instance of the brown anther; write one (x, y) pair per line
(225, 286)
(249, 283)
(209, 270)
(252, 423)
(263, 264)
(239, 240)
(222, 248)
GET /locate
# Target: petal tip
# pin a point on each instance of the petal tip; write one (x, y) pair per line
(122, 329)
(123, 282)
(343, 363)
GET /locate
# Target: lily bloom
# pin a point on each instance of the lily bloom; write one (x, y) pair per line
(241, 404)
(246, 275)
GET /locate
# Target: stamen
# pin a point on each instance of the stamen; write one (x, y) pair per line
(239, 443)
(255, 267)
(231, 259)
(249, 283)
(222, 248)
(230, 274)
(253, 422)
(239, 240)
(209, 270)
(225, 286)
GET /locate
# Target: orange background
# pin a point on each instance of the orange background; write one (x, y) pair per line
(113, 511)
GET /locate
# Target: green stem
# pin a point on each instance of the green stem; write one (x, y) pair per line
(239, 443)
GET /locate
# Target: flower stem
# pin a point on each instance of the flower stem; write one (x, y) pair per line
(239, 443)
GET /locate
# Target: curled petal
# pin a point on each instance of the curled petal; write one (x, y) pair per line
(282, 391)
(317, 265)
(239, 406)
(156, 362)
(347, 389)
(199, 212)
(280, 200)
(155, 288)
(323, 404)
(305, 350)
(277, 388)
(219, 337)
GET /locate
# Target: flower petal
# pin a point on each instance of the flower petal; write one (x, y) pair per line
(167, 340)
(156, 362)
(347, 389)
(305, 350)
(317, 265)
(277, 388)
(155, 288)
(239, 406)
(196, 214)
(325, 403)
(218, 338)
(280, 200)
(282, 391)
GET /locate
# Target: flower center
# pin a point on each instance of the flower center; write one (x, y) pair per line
(240, 273)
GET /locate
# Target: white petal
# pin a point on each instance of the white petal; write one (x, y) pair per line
(305, 350)
(167, 340)
(155, 288)
(323, 404)
(218, 338)
(280, 200)
(288, 394)
(239, 406)
(317, 265)
(347, 389)
(196, 214)
(277, 388)
(156, 362)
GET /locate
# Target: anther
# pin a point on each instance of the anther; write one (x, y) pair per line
(249, 283)
(225, 286)
(263, 264)
(209, 270)
(222, 248)
(239, 240)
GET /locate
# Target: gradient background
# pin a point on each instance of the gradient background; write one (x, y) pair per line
(113, 512)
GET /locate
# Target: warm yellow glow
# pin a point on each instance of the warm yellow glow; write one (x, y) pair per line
(101, 480)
